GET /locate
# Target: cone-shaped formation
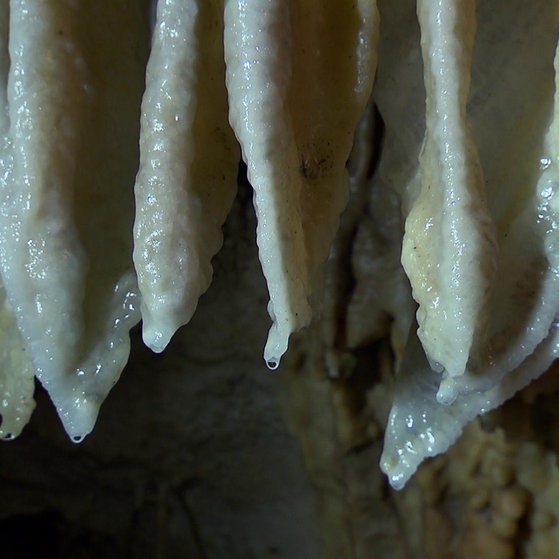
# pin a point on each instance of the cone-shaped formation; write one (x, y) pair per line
(69, 126)
(297, 84)
(480, 243)
(188, 165)
(72, 79)
(465, 192)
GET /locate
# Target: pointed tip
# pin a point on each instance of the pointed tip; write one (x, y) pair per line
(397, 469)
(155, 340)
(157, 334)
(78, 416)
(448, 391)
(276, 346)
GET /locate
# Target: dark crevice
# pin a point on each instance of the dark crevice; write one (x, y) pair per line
(344, 281)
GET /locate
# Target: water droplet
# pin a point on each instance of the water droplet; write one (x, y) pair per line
(545, 162)
(547, 191)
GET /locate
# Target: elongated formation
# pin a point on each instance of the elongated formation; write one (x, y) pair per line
(101, 119)
(293, 98)
(494, 310)
(68, 155)
(449, 250)
(188, 166)
(296, 134)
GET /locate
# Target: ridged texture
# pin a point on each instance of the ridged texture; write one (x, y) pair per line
(297, 86)
(515, 129)
(188, 165)
(67, 196)
(16, 371)
(473, 171)
(449, 249)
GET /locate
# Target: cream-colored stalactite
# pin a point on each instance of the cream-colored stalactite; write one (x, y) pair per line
(419, 426)
(67, 194)
(188, 165)
(297, 86)
(514, 128)
(515, 123)
(449, 248)
(17, 375)
(17, 382)
(43, 262)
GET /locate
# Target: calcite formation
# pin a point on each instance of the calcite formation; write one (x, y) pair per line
(105, 112)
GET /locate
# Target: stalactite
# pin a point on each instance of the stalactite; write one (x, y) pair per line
(463, 198)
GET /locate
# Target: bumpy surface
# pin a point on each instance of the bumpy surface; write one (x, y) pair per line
(513, 301)
(69, 154)
(297, 85)
(454, 172)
